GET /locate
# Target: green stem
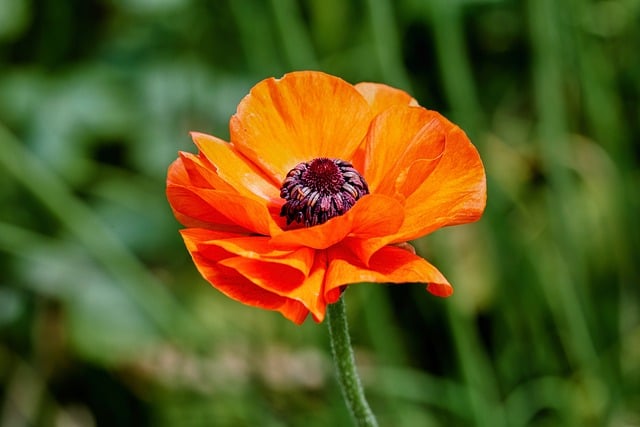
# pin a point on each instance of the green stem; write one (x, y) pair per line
(346, 365)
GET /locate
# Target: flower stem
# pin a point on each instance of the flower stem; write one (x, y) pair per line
(346, 365)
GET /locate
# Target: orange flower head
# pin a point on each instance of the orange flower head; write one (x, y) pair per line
(323, 184)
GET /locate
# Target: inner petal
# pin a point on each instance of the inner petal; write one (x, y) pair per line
(303, 115)
(398, 137)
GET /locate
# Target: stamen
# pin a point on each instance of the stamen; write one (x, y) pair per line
(319, 190)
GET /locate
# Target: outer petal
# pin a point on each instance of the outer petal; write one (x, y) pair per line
(259, 248)
(219, 209)
(380, 96)
(448, 187)
(404, 134)
(210, 264)
(192, 211)
(177, 173)
(454, 193)
(299, 117)
(279, 278)
(237, 171)
(226, 279)
(388, 265)
(287, 282)
(202, 173)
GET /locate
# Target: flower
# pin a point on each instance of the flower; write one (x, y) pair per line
(322, 185)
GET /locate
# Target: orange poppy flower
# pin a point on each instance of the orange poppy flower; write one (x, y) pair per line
(322, 185)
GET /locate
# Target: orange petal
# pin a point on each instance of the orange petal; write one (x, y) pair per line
(404, 134)
(286, 282)
(275, 277)
(202, 174)
(312, 293)
(177, 173)
(188, 210)
(258, 248)
(210, 264)
(388, 265)
(296, 275)
(235, 170)
(302, 116)
(195, 237)
(294, 311)
(453, 193)
(380, 215)
(380, 96)
(234, 285)
(409, 179)
(372, 215)
(193, 211)
(364, 249)
(219, 208)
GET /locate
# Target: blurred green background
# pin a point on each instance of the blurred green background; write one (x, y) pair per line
(104, 320)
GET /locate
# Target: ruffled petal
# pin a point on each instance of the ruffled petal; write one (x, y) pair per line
(225, 279)
(294, 311)
(202, 173)
(380, 96)
(279, 278)
(210, 262)
(237, 171)
(390, 264)
(194, 238)
(287, 282)
(453, 193)
(177, 173)
(372, 215)
(364, 249)
(312, 294)
(234, 285)
(302, 116)
(406, 135)
(259, 248)
(193, 211)
(219, 209)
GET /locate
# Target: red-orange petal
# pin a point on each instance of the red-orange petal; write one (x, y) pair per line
(404, 134)
(287, 282)
(259, 248)
(177, 173)
(302, 116)
(192, 211)
(380, 96)
(202, 173)
(210, 264)
(237, 171)
(219, 208)
(372, 215)
(195, 237)
(312, 294)
(294, 311)
(453, 193)
(390, 264)
(276, 277)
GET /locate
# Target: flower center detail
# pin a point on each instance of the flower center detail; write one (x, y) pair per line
(319, 190)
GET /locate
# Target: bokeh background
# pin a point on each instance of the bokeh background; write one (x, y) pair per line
(104, 320)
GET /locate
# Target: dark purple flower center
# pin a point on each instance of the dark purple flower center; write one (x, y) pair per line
(319, 190)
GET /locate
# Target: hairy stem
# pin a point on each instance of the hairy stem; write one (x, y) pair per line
(346, 365)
